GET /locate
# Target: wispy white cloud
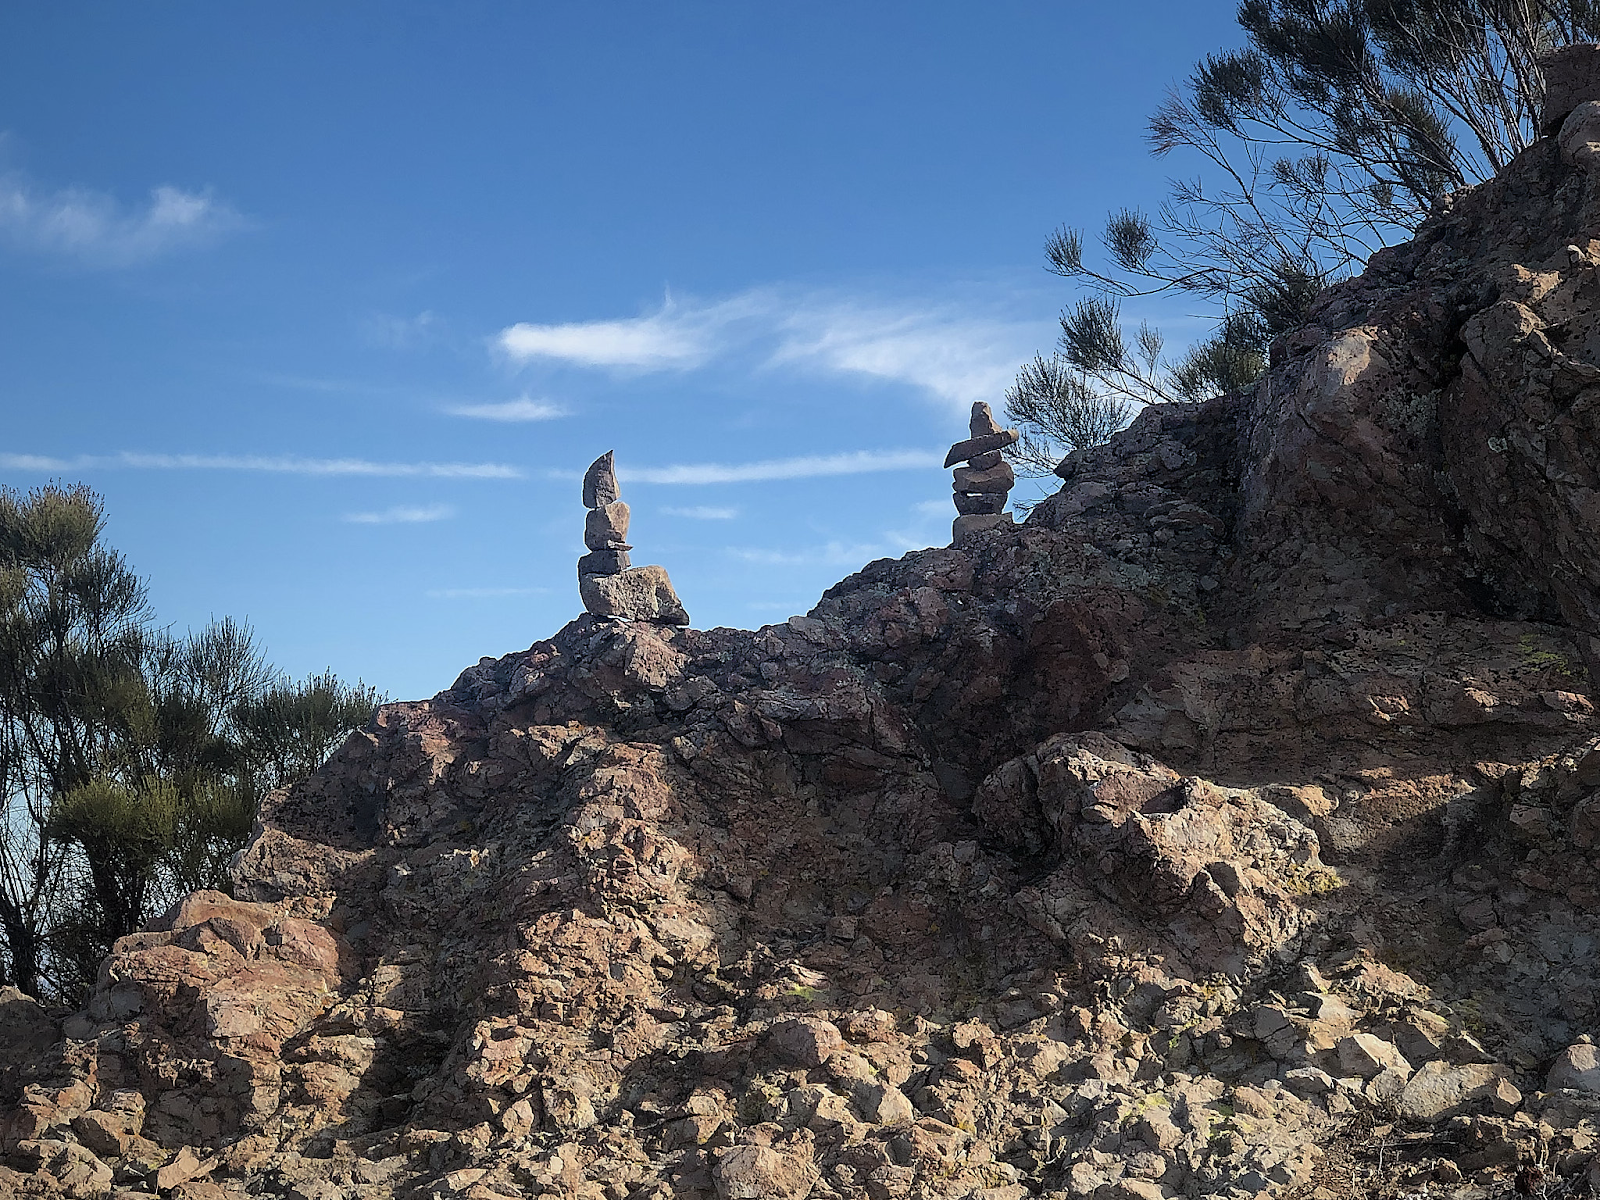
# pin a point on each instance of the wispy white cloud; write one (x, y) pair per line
(484, 593)
(402, 514)
(280, 464)
(858, 462)
(833, 554)
(703, 512)
(952, 351)
(96, 230)
(674, 337)
(522, 409)
(954, 356)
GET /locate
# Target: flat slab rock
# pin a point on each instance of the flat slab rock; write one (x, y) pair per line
(639, 593)
(973, 447)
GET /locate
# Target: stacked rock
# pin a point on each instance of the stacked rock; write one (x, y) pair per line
(982, 486)
(609, 586)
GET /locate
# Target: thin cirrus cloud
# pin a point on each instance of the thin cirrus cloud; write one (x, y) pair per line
(282, 464)
(522, 409)
(703, 512)
(675, 337)
(954, 357)
(832, 554)
(402, 514)
(953, 353)
(96, 230)
(810, 466)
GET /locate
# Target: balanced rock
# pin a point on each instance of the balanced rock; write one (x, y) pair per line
(610, 561)
(963, 451)
(606, 527)
(608, 583)
(996, 479)
(989, 458)
(976, 503)
(600, 482)
(981, 487)
(640, 594)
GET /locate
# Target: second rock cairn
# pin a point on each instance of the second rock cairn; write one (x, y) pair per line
(609, 586)
(983, 485)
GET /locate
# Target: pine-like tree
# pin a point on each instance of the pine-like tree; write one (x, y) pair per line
(131, 761)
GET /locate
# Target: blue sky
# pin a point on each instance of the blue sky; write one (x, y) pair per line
(334, 303)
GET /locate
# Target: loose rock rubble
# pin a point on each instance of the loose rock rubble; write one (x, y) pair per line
(608, 585)
(1227, 828)
(981, 487)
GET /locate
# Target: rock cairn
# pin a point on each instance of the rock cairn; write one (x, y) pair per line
(982, 486)
(609, 585)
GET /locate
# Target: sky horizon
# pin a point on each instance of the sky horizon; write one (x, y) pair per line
(334, 306)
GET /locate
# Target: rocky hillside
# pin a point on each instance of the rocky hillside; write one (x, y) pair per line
(1229, 827)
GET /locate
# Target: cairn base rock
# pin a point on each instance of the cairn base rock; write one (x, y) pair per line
(639, 593)
(964, 527)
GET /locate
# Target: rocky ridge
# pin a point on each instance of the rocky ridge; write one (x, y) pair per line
(1226, 828)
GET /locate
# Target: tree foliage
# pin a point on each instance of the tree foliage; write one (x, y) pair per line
(1329, 134)
(1054, 406)
(131, 760)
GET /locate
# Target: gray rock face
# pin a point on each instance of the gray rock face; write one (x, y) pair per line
(1367, 1056)
(1579, 138)
(1440, 1090)
(1571, 76)
(639, 594)
(1577, 1067)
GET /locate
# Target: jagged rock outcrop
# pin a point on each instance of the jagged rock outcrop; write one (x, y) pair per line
(1227, 827)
